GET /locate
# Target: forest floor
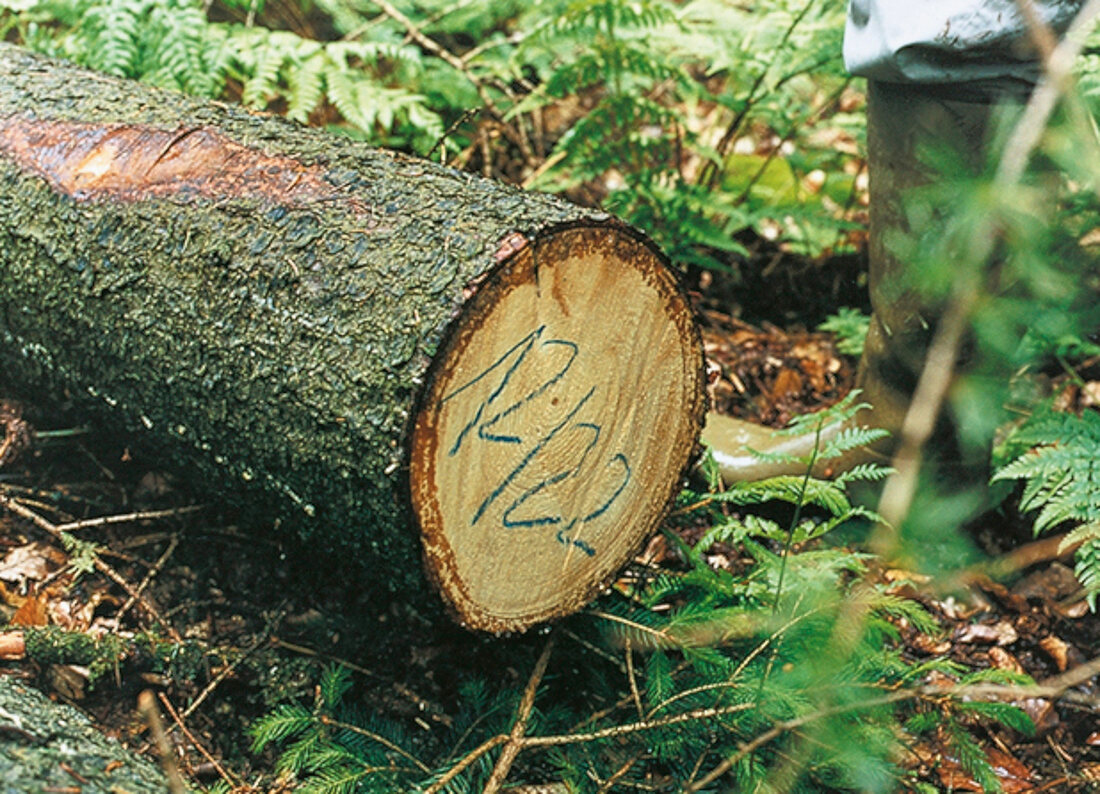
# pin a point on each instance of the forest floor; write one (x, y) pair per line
(246, 618)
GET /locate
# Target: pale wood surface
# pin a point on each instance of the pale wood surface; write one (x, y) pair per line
(557, 427)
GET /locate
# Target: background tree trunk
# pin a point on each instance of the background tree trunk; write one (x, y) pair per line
(287, 308)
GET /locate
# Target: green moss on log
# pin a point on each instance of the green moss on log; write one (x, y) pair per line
(47, 746)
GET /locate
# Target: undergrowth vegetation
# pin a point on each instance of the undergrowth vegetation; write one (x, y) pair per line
(698, 121)
(713, 126)
(719, 674)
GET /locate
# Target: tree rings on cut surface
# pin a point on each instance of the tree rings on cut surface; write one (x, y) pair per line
(556, 426)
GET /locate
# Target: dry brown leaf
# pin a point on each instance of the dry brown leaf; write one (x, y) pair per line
(1042, 713)
(928, 645)
(1014, 776)
(11, 596)
(1052, 583)
(1001, 659)
(1058, 650)
(33, 612)
(787, 383)
(30, 562)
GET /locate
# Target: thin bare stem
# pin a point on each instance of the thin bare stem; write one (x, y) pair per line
(382, 740)
(156, 569)
(147, 707)
(468, 759)
(523, 715)
(14, 506)
(232, 780)
(127, 518)
(628, 652)
(636, 727)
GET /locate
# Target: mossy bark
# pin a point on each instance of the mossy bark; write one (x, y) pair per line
(47, 746)
(265, 298)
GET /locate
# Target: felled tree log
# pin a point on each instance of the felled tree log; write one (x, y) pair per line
(353, 337)
(47, 746)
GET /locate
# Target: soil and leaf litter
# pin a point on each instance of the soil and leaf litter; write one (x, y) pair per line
(751, 639)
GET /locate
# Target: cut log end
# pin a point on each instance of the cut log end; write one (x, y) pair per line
(556, 426)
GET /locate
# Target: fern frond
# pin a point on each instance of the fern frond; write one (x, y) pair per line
(306, 84)
(281, 723)
(1060, 467)
(335, 683)
(263, 83)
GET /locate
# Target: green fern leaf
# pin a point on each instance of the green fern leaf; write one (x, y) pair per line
(283, 722)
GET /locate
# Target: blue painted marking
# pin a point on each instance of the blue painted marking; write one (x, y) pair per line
(621, 458)
(544, 520)
(529, 456)
(531, 396)
(508, 364)
(565, 540)
(526, 343)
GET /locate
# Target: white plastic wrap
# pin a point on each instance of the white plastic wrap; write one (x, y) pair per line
(947, 41)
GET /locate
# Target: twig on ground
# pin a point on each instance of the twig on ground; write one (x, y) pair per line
(516, 737)
(156, 569)
(23, 512)
(468, 759)
(147, 707)
(232, 780)
(628, 652)
(128, 518)
(225, 673)
(382, 740)
(618, 774)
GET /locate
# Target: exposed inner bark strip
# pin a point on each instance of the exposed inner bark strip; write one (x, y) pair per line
(135, 162)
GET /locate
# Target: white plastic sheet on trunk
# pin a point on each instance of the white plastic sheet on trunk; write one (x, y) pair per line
(947, 41)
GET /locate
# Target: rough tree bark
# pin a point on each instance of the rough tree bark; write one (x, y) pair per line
(348, 335)
(47, 746)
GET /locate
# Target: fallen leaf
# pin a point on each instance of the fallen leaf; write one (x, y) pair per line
(1052, 583)
(927, 645)
(1014, 775)
(30, 562)
(1042, 713)
(1002, 633)
(1001, 659)
(33, 612)
(1057, 650)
